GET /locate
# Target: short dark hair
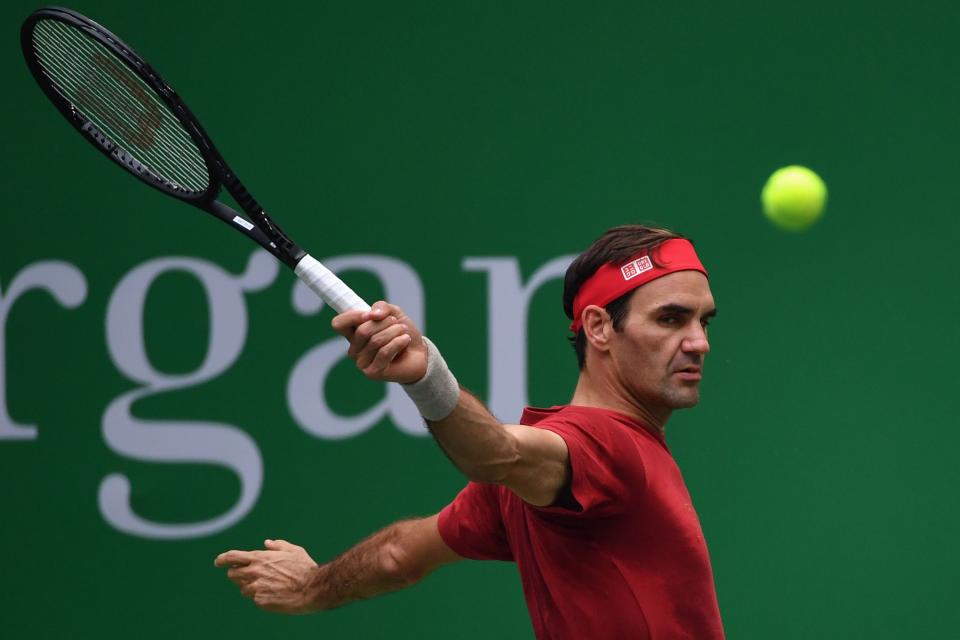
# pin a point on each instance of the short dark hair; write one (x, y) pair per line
(618, 244)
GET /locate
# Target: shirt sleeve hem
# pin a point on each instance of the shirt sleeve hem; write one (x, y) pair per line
(573, 452)
(445, 528)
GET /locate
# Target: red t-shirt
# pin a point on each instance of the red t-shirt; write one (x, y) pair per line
(626, 560)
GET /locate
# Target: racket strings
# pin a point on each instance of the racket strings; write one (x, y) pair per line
(119, 72)
(124, 107)
(124, 110)
(138, 128)
(111, 121)
(119, 103)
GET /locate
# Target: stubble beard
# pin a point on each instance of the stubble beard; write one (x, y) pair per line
(683, 397)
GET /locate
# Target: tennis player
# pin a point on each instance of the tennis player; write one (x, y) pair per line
(585, 498)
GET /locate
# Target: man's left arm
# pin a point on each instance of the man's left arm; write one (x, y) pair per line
(283, 578)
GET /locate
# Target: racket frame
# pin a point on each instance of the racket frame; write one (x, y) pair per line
(260, 228)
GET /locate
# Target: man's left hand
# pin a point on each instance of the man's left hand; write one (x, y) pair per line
(279, 579)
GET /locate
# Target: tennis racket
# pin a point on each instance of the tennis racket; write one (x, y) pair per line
(130, 114)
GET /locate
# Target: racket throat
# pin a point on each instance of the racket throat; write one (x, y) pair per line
(270, 238)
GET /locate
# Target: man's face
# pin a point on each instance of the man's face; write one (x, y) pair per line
(659, 351)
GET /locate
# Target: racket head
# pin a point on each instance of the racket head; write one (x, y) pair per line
(121, 105)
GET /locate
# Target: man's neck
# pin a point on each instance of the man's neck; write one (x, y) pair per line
(602, 393)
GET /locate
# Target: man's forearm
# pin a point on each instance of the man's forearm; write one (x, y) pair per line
(372, 567)
(284, 578)
(475, 441)
(468, 433)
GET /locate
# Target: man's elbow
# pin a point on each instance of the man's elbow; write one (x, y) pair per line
(398, 565)
(496, 470)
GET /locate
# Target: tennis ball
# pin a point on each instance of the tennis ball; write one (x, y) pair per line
(793, 198)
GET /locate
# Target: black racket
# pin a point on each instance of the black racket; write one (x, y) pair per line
(122, 106)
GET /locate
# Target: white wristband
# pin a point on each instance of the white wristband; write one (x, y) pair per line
(435, 394)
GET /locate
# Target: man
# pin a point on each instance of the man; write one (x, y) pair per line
(585, 498)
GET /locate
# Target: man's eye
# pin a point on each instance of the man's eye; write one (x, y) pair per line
(669, 319)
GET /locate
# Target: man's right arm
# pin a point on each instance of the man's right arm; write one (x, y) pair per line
(531, 462)
(283, 578)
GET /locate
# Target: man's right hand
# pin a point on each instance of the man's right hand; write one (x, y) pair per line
(384, 343)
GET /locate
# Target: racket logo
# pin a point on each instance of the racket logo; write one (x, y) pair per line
(147, 115)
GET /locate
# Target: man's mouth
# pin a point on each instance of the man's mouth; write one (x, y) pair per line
(691, 372)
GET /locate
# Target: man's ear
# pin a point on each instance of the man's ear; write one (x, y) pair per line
(597, 327)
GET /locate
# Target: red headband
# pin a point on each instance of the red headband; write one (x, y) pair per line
(611, 281)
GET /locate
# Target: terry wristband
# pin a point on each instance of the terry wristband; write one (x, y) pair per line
(435, 394)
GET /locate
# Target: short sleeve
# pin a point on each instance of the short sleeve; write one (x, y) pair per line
(606, 470)
(472, 526)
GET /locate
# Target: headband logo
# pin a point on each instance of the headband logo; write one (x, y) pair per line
(635, 268)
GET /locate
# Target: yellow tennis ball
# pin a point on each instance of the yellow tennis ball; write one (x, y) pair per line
(793, 198)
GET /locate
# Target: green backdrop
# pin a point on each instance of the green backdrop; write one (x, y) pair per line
(821, 458)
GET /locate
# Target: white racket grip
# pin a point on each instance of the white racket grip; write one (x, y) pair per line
(328, 286)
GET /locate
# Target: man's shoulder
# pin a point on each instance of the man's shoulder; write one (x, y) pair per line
(593, 422)
(567, 413)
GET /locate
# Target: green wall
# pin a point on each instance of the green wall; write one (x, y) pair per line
(821, 458)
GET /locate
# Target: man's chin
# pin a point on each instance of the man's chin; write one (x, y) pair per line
(683, 398)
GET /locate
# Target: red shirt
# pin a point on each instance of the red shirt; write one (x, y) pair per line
(624, 558)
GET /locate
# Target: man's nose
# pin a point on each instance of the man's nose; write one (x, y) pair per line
(696, 341)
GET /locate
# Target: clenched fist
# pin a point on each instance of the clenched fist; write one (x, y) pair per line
(384, 343)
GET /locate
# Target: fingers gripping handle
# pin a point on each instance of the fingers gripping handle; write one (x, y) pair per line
(328, 286)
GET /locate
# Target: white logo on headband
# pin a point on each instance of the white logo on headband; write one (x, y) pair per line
(635, 268)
